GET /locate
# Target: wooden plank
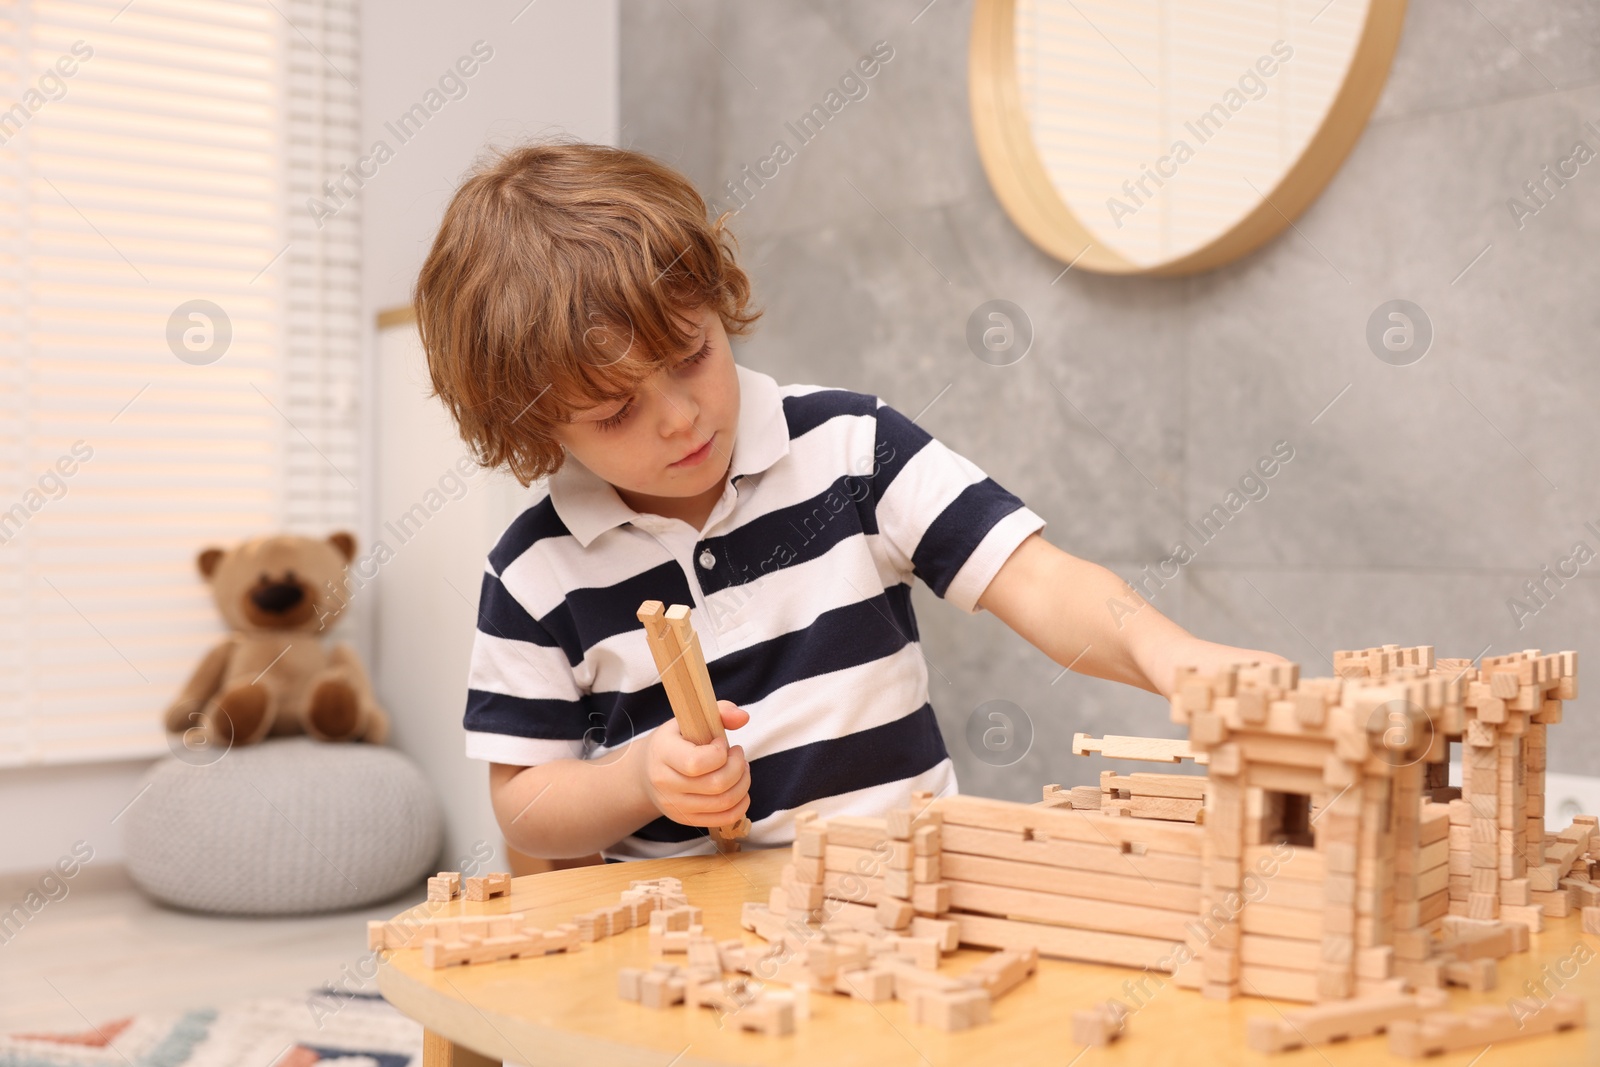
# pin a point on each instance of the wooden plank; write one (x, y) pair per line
(1172, 808)
(1149, 749)
(1089, 826)
(1287, 953)
(1278, 984)
(1150, 784)
(1485, 1024)
(693, 662)
(675, 677)
(1072, 855)
(928, 898)
(1307, 752)
(1281, 922)
(1066, 943)
(1104, 915)
(856, 831)
(1129, 889)
(1303, 865)
(1297, 896)
(1434, 854)
(1281, 778)
(1340, 1020)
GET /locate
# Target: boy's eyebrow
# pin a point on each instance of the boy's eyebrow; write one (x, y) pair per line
(702, 334)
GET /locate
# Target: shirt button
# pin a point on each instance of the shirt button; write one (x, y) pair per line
(707, 560)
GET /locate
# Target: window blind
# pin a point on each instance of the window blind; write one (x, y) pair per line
(179, 339)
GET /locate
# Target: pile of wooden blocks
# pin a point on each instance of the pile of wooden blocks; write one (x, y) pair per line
(677, 928)
(448, 885)
(857, 913)
(467, 939)
(1142, 795)
(644, 901)
(471, 938)
(738, 1002)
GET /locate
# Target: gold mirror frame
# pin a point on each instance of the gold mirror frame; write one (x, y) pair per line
(1019, 179)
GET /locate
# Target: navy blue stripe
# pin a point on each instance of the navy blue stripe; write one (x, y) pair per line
(840, 638)
(591, 614)
(532, 526)
(500, 615)
(790, 536)
(897, 750)
(553, 720)
(897, 440)
(951, 538)
(806, 412)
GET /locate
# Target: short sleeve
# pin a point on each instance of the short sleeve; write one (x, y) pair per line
(524, 706)
(953, 525)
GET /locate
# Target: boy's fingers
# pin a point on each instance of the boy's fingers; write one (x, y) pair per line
(701, 760)
(733, 716)
(719, 780)
(731, 815)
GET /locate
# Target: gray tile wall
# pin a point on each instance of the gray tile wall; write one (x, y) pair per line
(1415, 505)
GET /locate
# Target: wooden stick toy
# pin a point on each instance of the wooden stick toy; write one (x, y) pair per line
(676, 649)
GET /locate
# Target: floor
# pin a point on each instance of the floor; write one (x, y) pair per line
(105, 951)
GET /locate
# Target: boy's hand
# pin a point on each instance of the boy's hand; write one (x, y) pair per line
(698, 785)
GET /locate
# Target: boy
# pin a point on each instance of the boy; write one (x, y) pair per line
(575, 309)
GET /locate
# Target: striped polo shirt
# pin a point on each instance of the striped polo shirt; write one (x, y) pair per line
(800, 589)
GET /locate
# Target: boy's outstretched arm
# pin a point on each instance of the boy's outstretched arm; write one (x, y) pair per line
(1082, 615)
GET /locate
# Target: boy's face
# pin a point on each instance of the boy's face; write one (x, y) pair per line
(670, 444)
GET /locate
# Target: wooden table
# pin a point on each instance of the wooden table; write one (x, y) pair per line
(564, 1008)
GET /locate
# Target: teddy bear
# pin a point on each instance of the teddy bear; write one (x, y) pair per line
(272, 676)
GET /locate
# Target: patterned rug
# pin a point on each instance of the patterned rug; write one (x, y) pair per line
(350, 1031)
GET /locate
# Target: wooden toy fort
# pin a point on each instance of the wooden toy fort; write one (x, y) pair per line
(1322, 856)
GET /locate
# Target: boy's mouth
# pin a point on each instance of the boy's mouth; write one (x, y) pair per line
(697, 456)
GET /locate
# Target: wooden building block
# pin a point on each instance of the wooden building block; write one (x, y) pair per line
(1591, 920)
(486, 887)
(1479, 975)
(1557, 903)
(1529, 915)
(629, 983)
(660, 989)
(1100, 1025)
(898, 823)
(951, 1011)
(675, 647)
(1003, 971)
(1485, 1024)
(871, 984)
(894, 914)
(1338, 1021)
(770, 1012)
(444, 886)
(1150, 749)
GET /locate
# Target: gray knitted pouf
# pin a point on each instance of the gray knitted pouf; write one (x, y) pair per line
(289, 826)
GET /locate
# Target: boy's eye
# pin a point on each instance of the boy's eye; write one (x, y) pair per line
(615, 420)
(622, 413)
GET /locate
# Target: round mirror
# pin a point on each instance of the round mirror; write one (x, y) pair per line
(1170, 136)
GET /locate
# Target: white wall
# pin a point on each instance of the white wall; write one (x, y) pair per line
(553, 70)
